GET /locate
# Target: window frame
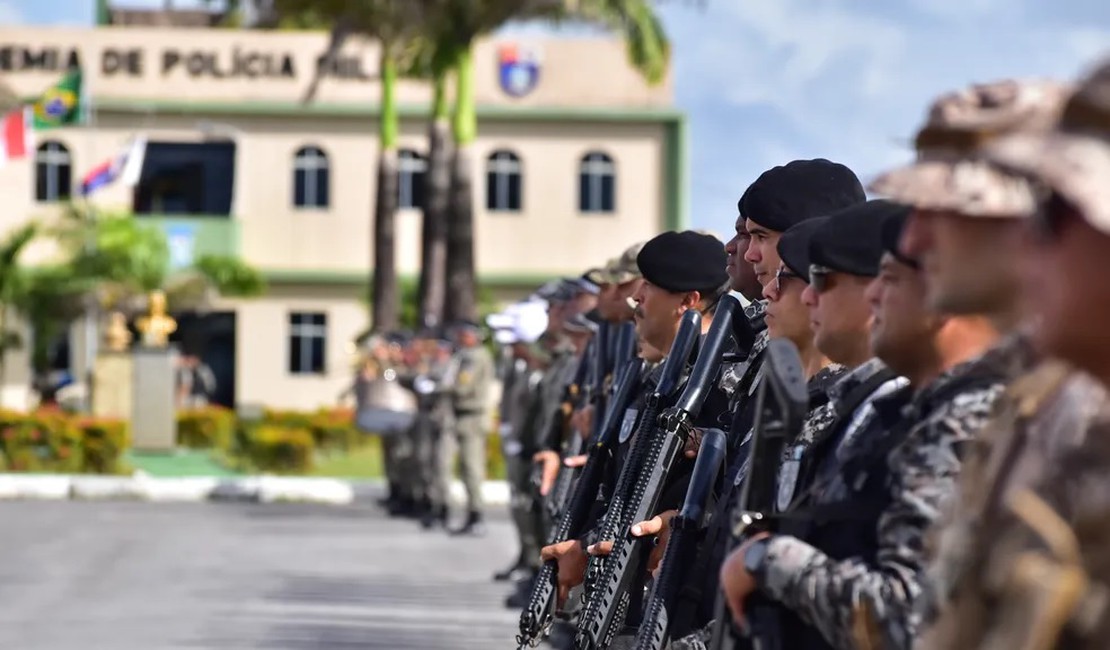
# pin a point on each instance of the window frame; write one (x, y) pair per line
(52, 169)
(503, 180)
(591, 183)
(416, 177)
(303, 335)
(311, 175)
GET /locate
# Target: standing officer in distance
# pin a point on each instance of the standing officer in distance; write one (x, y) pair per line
(471, 378)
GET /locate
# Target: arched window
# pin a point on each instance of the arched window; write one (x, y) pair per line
(53, 172)
(411, 168)
(311, 179)
(503, 181)
(597, 183)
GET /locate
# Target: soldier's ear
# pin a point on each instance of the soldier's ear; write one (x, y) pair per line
(690, 300)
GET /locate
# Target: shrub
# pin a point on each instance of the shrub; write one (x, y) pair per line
(284, 450)
(45, 441)
(210, 427)
(334, 430)
(495, 460)
(104, 441)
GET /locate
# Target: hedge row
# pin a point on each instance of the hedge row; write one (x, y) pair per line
(286, 441)
(54, 441)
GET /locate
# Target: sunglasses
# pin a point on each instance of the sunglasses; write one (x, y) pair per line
(784, 274)
(819, 277)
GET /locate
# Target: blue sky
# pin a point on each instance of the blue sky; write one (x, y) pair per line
(767, 81)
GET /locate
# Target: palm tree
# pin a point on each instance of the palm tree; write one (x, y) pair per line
(458, 24)
(394, 24)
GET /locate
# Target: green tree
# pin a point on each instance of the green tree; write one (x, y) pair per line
(13, 284)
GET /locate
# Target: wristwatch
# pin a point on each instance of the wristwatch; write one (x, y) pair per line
(755, 558)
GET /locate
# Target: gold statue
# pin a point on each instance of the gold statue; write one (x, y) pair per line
(157, 327)
(117, 337)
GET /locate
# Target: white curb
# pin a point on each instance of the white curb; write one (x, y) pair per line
(35, 486)
(263, 489)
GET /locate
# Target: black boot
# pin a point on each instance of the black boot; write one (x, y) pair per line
(434, 518)
(390, 499)
(404, 506)
(473, 525)
(513, 572)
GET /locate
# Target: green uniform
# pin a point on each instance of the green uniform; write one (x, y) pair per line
(471, 377)
(520, 388)
(537, 432)
(433, 414)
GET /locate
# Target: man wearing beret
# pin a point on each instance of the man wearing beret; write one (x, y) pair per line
(681, 271)
(816, 485)
(1060, 522)
(780, 198)
(864, 561)
(968, 228)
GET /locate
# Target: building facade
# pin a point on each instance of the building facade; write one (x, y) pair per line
(577, 157)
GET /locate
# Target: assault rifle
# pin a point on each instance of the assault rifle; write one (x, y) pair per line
(540, 611)
(661, 441)
(612, 353)
(655, 628)
(781, 405)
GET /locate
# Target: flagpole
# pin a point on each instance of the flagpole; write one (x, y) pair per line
(92, 316)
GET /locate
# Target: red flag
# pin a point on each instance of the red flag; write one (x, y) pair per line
(15, 134)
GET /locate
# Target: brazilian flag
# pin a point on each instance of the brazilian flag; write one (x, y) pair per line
(60, 105)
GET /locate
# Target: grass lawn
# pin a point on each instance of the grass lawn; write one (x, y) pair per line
(362, 463)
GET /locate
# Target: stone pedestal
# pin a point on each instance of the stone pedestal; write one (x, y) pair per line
(114, 382)
(153, 420)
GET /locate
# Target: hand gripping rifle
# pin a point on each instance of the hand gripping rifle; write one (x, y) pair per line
(777, 420)
(540, 611)
(670, 380)
(663, 438)
(655, 628)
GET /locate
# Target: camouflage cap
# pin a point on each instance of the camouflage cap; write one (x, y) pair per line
(623, 268)
(950, 173)
(1074, 158)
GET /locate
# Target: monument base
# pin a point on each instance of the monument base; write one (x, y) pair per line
(114, 379)
(153, 419)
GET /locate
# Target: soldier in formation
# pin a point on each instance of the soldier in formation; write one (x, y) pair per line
(940, 480)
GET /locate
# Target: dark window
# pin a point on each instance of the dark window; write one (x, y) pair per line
(53, 172)
(310, 178)
(411, 168)
(597, 183)
(308, 338)
(503, 182)
(196, 178)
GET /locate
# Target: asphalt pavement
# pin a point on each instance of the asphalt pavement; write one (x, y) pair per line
(83, 575)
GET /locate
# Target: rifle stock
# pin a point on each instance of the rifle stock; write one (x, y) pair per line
(780, 411)
(662, 443)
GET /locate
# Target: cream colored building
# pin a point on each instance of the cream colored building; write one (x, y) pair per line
(234, 164)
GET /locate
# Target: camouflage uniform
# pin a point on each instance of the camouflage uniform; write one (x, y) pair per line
(1038, 576)
(471, 379)
(1043, 416)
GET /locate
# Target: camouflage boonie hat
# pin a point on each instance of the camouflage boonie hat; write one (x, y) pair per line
(1074, 158)
(950, 173)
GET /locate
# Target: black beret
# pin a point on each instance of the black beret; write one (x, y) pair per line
(793, 246)
(851, 240)
(892, 233)
(684, 261)
(800, 190)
